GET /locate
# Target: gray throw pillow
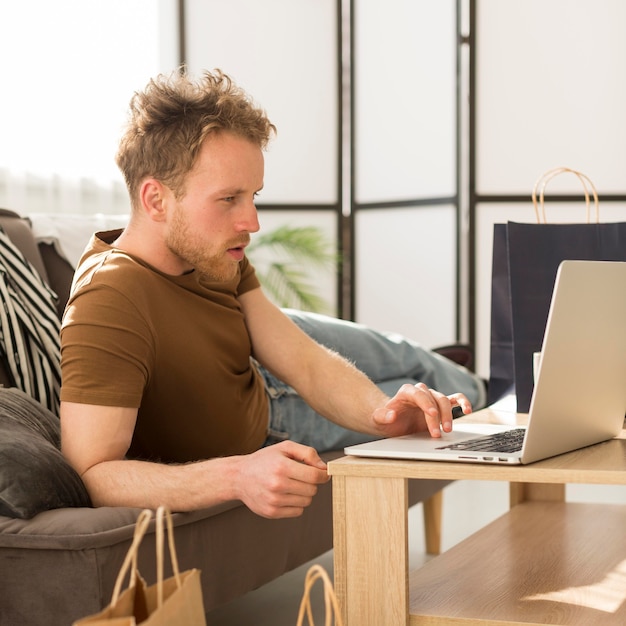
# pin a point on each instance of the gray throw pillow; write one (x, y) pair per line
(34, 475)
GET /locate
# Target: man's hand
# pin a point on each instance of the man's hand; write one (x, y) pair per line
(417, 408)
(280, 480)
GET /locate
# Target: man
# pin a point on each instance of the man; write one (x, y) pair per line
(178, 372)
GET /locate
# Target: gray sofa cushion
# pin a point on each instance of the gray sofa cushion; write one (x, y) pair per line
(34, 475)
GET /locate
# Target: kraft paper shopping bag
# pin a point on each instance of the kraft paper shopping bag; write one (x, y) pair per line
(176, 601)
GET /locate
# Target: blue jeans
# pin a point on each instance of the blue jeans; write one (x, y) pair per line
(388, 359)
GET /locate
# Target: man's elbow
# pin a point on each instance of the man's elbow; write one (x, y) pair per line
(98, 485)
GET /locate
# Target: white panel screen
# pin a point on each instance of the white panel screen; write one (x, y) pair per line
(406, 264)
(284, 54)
(551, 91)
(405, 81)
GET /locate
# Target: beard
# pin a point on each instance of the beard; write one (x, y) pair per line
(205, 257)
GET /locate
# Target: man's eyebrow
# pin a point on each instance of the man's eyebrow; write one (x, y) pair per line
(229, 191)
(234, 191)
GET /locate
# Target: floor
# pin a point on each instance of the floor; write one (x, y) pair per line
(277, 603)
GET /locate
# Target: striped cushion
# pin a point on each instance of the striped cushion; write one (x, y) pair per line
(29, 327)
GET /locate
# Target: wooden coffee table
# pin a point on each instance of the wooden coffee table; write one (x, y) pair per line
(546, 561)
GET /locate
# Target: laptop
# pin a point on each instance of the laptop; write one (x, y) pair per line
(579, 398)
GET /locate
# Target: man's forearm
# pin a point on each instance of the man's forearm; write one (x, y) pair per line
(343, 394)
(143, 484)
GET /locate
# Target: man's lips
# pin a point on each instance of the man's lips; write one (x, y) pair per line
(237, 252)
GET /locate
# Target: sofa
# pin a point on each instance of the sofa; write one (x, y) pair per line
(59, 558)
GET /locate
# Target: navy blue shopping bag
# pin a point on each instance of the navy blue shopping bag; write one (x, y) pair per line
(525, 262)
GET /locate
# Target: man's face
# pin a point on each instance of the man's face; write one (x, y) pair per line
(210, 226)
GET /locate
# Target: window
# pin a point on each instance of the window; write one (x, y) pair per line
(69, 68)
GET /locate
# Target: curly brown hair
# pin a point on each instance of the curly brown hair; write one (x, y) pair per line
(170, 119)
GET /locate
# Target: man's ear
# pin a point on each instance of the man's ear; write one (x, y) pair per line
(152, 195)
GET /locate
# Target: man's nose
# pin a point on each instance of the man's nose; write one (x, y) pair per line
(249, 219)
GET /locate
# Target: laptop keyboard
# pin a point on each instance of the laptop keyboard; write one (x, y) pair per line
(507, 441)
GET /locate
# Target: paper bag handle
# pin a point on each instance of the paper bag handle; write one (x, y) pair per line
(540, 211)
(162, 512)
(315, 573)
(130, 561)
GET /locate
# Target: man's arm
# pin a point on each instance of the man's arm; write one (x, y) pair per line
(333, 386)
(278, 481)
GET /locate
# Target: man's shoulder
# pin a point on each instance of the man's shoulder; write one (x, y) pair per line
(110, 267)
(110, 284)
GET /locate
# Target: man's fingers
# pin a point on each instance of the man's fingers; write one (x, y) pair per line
(287, 505)
(445, 410)
(426, 401)
(436, 408)
(459, 399)
(308, 457)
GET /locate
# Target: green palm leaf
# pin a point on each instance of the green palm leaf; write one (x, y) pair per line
(288, 251)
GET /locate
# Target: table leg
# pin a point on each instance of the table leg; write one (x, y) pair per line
(524, 492)
(371, 550)
(433, 508)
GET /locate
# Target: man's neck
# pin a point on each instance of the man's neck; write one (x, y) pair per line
(146, 243)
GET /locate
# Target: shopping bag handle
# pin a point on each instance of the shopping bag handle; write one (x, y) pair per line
(539, 206)
(163, 512)
(130, 561)
(315, 573)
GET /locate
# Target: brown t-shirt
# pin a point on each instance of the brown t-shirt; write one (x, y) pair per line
(175, 347)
